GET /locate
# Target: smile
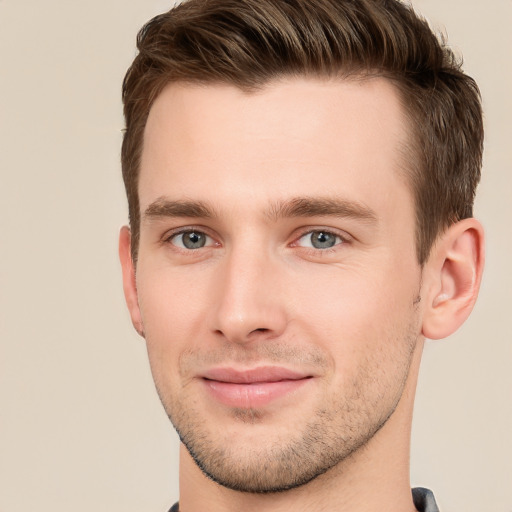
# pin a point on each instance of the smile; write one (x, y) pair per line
(252, 388)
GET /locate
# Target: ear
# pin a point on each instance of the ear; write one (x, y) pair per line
(452, 275)
(129, 284)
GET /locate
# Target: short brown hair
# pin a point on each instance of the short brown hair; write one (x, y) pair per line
(248, 43)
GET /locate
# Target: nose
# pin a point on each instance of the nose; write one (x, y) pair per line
(249, 302)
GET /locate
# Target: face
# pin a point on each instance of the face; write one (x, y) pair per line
(277, 279)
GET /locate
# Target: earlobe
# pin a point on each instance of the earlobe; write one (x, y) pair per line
(454, 272)
(129, 284)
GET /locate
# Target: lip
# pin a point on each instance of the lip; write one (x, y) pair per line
(253, 387)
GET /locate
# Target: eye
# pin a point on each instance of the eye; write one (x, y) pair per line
(319, 239)
(191, 239)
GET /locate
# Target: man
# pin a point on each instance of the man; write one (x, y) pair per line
(300, 177)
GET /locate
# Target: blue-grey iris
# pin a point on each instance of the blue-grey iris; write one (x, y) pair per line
(193, 240)
(322, 240)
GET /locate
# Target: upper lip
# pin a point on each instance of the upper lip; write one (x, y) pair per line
(253, 375)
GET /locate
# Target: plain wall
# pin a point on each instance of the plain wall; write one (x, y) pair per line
(81, 427)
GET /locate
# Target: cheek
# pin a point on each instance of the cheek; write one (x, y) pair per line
(356, 314)
(170, 301)
(370, 337)
(171, 318)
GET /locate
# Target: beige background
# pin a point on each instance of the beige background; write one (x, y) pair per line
(80, 425)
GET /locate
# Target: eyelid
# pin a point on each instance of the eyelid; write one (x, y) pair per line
(171, 234)
(344, 236)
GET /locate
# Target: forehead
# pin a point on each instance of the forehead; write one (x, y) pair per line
(292, 137)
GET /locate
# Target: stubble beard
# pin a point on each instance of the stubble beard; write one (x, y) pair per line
(336, 430)
(280, 466)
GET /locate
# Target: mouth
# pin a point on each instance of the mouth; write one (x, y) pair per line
(252, 388)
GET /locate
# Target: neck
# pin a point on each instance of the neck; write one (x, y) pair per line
(374, 478)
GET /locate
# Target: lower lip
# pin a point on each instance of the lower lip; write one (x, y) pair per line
(252, 395)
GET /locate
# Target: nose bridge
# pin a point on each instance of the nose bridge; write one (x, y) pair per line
(248, 304)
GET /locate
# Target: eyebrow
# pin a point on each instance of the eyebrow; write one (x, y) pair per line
(295, 207)
(163, 207)
(320, 207)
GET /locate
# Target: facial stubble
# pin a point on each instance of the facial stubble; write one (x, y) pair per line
(337, 428)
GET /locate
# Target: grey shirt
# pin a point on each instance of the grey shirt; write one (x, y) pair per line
(423, 499)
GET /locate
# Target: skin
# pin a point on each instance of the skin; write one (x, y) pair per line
(258, 177)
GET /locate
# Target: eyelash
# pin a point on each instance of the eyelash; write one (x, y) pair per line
(343, 239)
(169, 237)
